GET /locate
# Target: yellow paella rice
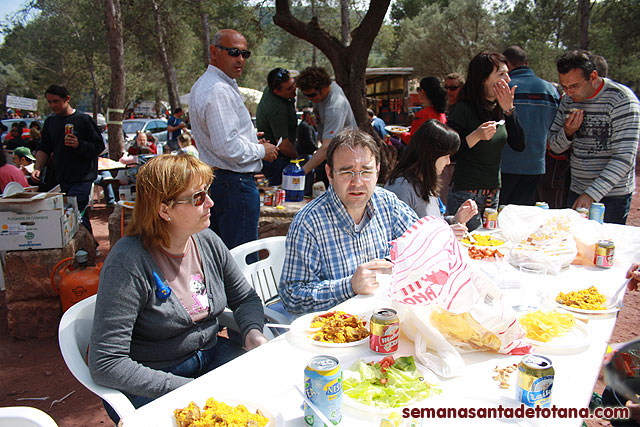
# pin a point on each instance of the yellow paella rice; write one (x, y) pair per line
(483, 240)
(585, 299)
(218, 414)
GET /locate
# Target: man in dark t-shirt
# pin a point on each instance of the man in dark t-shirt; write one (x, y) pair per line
(74, 141)
(276, 117)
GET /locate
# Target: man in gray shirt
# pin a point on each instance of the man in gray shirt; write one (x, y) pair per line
(333, 108)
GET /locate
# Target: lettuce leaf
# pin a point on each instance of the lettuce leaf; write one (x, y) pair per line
(399, 386)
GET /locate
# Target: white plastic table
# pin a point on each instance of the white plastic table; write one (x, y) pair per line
(267, 376)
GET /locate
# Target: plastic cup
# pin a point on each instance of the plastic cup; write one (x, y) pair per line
(530, 286)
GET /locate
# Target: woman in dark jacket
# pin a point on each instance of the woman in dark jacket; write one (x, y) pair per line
(486, 120)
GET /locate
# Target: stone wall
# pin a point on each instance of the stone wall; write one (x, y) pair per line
(34, 309)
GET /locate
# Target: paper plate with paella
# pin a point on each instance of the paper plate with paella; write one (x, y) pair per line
(332, 328)
(485, 246)
(585, 300)
(226, 413)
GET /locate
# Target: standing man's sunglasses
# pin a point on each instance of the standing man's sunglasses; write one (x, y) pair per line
(234, 51)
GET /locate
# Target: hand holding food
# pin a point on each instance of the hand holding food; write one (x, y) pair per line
(364, 280)
(573, 122)
(634, 274)
(466, 211)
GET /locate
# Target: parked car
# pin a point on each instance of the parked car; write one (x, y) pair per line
(9, 122)
(157, 127)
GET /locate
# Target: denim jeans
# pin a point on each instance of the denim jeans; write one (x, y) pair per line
(81, 191)
(236, 209)
(273, 170)
(108, 189)
(616, 208)
(456, 198)
(198, 364)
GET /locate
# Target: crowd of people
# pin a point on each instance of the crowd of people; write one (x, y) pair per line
(164, 285)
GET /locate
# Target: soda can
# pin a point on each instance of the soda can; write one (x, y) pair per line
(68, 129)
(323, 388)
(604, 253)
(279, 197)
(596, 212)
(490, 218)
(584, 212)
(268, 198)
(385, 331)
(535, 380)
(543, 205)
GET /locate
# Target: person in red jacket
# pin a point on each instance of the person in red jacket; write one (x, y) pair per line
(433, 98)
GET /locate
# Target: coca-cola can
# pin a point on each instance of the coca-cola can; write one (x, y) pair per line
(385, 331)
(280, 197)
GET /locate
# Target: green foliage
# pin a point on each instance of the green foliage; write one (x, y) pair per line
(615, 36)
(63, 40)
(441, 40)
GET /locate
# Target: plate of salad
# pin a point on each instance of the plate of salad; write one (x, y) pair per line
(379, 384)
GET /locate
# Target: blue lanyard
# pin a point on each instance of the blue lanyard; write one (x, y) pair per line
(443, 208)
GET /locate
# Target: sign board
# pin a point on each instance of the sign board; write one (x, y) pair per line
(145, 107)
(22, 103)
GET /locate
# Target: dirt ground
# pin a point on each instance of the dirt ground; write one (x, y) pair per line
(35, 372)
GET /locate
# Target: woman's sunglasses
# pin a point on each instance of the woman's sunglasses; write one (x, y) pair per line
(234, 51)
(196, 199)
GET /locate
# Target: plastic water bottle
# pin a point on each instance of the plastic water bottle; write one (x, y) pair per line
(293, 181)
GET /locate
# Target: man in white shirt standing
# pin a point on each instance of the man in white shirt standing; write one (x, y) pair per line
(227, 140)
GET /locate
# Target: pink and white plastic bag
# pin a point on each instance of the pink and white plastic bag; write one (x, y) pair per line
(431, 271)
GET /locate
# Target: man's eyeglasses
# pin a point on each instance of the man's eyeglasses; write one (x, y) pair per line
(234, 51)
(365, 175)
(574, 86)
(196, 199)
(310, 94)
(452, 87)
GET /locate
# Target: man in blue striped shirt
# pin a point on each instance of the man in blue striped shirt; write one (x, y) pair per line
(599, 119)
(337, 243)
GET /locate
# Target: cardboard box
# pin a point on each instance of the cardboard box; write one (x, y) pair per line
(31, 202)
(46, 229)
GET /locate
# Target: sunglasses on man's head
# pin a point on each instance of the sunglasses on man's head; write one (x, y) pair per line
(234, 51)
(196, 199)
(452, 87)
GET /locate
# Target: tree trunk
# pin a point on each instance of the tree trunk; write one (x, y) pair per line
(167, 67)
(206, 35)
(344, 22)
(584, 10)
(349, 62)
(113, 21)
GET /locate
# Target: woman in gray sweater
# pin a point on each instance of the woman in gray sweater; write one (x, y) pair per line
(416, 177)
(163, 286)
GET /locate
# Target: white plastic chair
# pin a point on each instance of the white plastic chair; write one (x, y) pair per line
(263, 276)
(25, 416)
(74, 333)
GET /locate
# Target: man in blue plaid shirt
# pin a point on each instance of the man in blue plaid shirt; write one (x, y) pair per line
(337, 243)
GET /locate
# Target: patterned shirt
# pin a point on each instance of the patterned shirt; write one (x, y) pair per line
(324, 248)
(603, 150)
(222, 125)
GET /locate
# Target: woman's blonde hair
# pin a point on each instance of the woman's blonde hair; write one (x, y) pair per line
(159, 181)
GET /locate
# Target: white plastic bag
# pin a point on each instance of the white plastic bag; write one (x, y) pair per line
(430, 271)
(545, 239)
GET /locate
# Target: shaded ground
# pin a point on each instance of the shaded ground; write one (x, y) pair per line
(35, 368)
